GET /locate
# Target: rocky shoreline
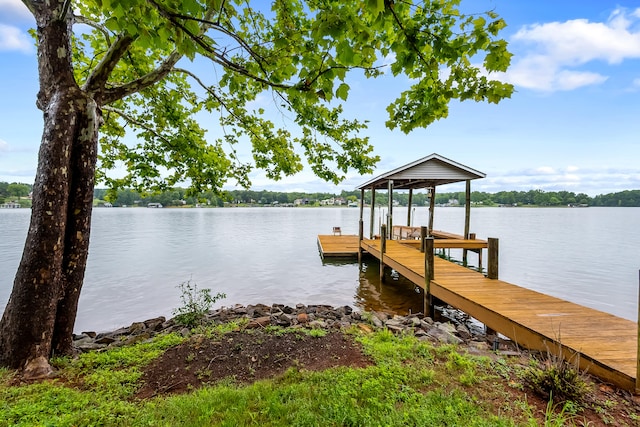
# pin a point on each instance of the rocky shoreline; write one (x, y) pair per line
(451, 331)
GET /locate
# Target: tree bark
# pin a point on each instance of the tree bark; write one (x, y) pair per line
(40, 313)
(76, 248)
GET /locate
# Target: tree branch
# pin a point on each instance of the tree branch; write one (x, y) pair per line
(214, 94)
(100, 74)
(213, 54)
(113, 94)
(136, 122)
(82, 20)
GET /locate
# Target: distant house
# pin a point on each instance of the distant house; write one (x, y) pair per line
(10, 205)
(300, 202)
(154, 205)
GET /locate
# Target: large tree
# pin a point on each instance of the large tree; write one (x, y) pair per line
(152, 67)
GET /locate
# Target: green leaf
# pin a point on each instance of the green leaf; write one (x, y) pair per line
(343, 91)
(375, 6)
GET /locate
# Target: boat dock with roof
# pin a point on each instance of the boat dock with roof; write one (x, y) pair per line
(603, 344)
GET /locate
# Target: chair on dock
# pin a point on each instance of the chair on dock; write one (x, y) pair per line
(337, 231)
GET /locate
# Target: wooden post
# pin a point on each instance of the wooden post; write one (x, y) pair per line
(373, 207)
(492, 271)
(360, 237)
(492, 252)
(467, 218)
(409, 207)
(361, 227)
(383, 249)
(423, 236)
(467, 209)
(428, 276)
(390, 214)
(432, 206)
(638, 349)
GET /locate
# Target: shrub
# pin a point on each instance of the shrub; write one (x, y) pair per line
(195, 303)
(557, 379)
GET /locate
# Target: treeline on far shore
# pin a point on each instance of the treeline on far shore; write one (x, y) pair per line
(180, 197)
(10, 192)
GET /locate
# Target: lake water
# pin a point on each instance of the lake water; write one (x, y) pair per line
(269, 255)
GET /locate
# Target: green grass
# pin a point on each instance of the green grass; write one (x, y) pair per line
(410, 383)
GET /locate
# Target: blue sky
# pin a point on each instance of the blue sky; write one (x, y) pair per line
(572, 124)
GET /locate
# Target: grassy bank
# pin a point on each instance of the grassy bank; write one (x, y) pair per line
(406, 382)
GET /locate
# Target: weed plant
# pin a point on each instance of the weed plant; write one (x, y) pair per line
(556, 379)
(195, 304)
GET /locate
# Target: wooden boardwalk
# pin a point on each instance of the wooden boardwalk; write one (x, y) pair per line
(602, 344)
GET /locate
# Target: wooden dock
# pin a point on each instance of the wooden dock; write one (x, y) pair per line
(604, 345)
(338, 246)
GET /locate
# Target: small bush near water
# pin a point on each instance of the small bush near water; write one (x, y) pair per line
(556, 379)
(195, 303)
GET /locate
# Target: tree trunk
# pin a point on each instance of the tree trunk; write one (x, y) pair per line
(78, 227)
(40, 313)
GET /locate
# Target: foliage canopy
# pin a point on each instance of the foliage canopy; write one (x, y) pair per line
(289, 58)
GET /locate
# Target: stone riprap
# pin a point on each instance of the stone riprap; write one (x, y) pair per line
(301, 316)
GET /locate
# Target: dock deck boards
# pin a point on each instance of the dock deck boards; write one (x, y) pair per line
(603, 344)
(337, 246)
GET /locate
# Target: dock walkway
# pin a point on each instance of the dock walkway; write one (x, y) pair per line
(602, 344)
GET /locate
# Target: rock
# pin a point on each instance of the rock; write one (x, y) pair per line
(283, 319)
(155, 324)
(377, 322)
(380, 315)
(136, 328)
(288, 310)
(239, 309)
(463, 332)
(446, 327)
(89, 334)
(260, 322)
(105, 340)
(318, 324)
(258, 310)
(395, 325)
(303, 318)
(415, 322)
(443, 335)
(344, 310)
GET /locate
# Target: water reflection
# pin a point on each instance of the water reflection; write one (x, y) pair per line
(396, 295)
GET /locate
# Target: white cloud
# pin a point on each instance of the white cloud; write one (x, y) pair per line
(4, 146)
(14, 9)
(551, 53)
(545, 170)
(12, 38)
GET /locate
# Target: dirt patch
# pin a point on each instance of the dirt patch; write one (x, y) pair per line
(245, 357)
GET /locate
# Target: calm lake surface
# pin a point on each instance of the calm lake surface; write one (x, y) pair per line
(138, 256)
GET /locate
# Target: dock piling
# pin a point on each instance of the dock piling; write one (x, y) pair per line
(360, 237)
(492, 252)
(383, 248)
(423, 236)
(428, 275)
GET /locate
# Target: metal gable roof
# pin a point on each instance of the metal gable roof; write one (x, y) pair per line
(429, 171)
